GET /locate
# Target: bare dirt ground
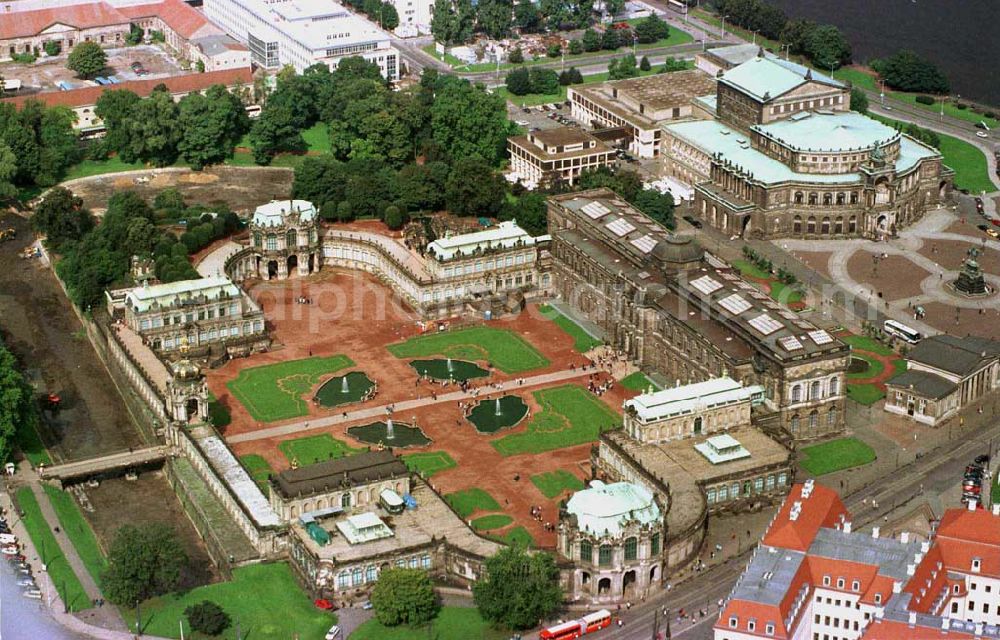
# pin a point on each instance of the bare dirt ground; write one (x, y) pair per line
(44, 73)
(40, 327)
(241, 189)
(966, 229)
(951, 253)
(818, 261)
(352, 313)
(965, 322)
(894, 277)
(146, 501)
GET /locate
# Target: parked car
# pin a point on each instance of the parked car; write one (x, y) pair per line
(522, 123)
(983, 459)
(366, 605)
(324, 604)
(9, 550)
(33, 594)
(982, 134)
(993, 233)
(26, 582)
(333, 633)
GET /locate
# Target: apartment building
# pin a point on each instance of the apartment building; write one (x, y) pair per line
(547, 156)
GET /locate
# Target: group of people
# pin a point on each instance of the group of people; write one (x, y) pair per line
(599, 388)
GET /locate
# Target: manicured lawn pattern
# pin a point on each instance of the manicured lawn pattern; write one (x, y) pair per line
(452, 623)
(468, 501)
(65, 580)
(504, 349)
(265, 598)
(570, 415)
(866, 394)
(864, 343)
(492, 521)
(312, 449)
(875, 367)
(274, 391)
(845, 453)
(637, 381)
(518, 536)
(259, 469)
(582, 341)
(553, 483)
(429, 463)
(78, 530)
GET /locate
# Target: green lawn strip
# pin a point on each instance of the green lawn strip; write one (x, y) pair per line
(747, 268)
(492, 521)
(30, 443)
(274, 391)
(451, 623)
(857, 78)
(637, 381)
(570, 415)
(784, 293)
(468, 501)
(312, 449)
(898, 366)
(553, 483)
(89, 167)
(996, 490)
(866, 394)
(518, 536)
(78, 530)
(317, 138)
(429, 463)
(875, 367)
(63, 577)
(265, 598)
(827, 457)
(715, 21)
(864, 343)
(582, 341)
(258, 468)
(504, 349)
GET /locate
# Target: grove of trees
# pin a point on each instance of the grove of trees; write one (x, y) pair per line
(404, 596)
(907, 71)
(518, 589)
(17, 402)
(37, 146)
(143, 561)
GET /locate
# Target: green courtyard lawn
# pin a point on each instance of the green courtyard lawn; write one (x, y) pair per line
(864, 343)
(40, 532)
(274, 391)
(518, 536)
(259, 469)
(875, 367)
(866, 394)
(845, 453)
(582, 341)
(971, 170)
(89, 167)
(29, 442)
(637, 381)
(503, 349)
(570, 415)
(428, 463)
(492, 521)
(452, 623)
(468, 501)
(78, 530)
(265, 598)
(312, 449)
(554, 483)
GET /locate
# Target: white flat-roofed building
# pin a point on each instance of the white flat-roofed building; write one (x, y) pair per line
(302, 33)
(552, 155)
(201, 312)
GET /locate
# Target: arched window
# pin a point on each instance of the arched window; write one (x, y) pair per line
(827, 199)
(813, 419)
(797, 224)
(258, 239)
(343, 580)
(345, 500)
(356, 578)
(852, 224)
(654, 544)
(815, 390)
(825, 226)
(631, 548)
(796, 393)
(371, 574)
(834, 386)
(840, 198)
(586, 551)
(811, 225)
(854, 197)
(272, 242)
(795, 422)
(813, 198)
(291, 239)
(604, 555)
(831, 417)
(838, 224)
(798, 197)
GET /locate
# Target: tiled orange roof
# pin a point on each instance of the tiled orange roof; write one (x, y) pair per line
(965, 535)
(744, 611)
(177, 84)
(894, 630)
(25, 24)
(180, 16)
(822, 508)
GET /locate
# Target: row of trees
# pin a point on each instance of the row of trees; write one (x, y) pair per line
(382, 13)
(17, 402)
(201, 129)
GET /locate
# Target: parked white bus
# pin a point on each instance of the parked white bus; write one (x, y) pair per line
(902, 331)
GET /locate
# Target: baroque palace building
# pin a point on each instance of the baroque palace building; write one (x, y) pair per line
(658, 300)
(783, 156)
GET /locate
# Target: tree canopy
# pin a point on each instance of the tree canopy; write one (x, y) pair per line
(907, 71)
(207, 617)
(87, 59)
(452, 21)
(62, 217)
(37, 145)
(17, 402)
(518, 589)
(404, 596)
(143, 561)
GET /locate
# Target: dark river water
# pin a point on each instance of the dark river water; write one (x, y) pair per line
(961, 36)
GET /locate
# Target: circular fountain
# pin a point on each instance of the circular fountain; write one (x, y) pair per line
(390, 434)
(350, 387)
(448, 369)
(503, 413)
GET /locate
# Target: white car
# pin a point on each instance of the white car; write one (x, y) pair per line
(982, 134)
(333, 633)
(521, 123)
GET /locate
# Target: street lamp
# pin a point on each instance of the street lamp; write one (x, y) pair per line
(723, 36)
(755, 37)
(787, 48)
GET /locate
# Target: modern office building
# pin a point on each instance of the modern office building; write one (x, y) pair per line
(302, 33)
(559, 155)
(639, 106)
(813, 576)
(784, 156)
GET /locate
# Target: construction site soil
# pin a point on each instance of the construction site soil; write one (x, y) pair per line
(41, 328)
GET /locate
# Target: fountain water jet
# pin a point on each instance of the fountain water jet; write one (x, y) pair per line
(390, 432)
(451, 367)
(498, 410)
(344, 387)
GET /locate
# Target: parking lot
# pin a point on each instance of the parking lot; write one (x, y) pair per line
(44, 73)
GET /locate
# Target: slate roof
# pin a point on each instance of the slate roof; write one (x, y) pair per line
(960, 356)
(923, 383)
(350, 471)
